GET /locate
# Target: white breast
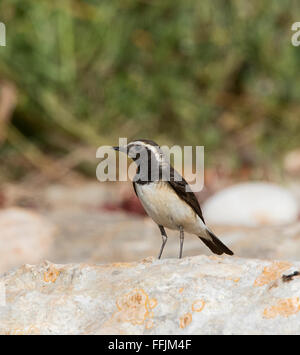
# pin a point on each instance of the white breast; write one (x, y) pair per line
(164, 206)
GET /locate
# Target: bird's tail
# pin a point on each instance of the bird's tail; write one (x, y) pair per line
(215, 245)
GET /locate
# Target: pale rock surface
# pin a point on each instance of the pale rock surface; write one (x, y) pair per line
(91, 194)
(25, 237)
(69, 195)
(252, 204)
(195, 295)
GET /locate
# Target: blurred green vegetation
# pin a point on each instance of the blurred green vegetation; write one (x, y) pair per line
(221, 73)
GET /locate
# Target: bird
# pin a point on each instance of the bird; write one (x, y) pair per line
(166, 197)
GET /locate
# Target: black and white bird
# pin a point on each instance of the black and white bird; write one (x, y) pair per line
(167, 197)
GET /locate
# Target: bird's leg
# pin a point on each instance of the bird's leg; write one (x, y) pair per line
(164, 238)
(181, 241)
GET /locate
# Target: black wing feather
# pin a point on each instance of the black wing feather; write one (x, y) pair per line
(180, 188)
(134, 188)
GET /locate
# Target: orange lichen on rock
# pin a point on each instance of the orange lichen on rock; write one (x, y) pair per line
(149, 324)
(272, 272)
(236, 280)
(152, 303)
(215, 257)
(51, 274)
(122, 265)
(283, 307)
(32, 330)
(181, 289)
(198, 305)
(185, 320)
(135, 307)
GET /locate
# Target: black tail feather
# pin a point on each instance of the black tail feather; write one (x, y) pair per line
(215, 245)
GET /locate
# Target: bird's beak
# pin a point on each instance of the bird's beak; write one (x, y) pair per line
(121, 149)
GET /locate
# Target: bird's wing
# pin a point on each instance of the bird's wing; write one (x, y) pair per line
(180, 188)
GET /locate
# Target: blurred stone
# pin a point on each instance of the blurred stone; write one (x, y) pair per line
(70, 195)
(294, 187)
(252, 204)
(199, 295)
(25, 237)
(277, 242)
(98, 237)
(81, 195)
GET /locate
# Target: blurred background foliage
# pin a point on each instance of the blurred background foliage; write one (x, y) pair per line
(221, 73)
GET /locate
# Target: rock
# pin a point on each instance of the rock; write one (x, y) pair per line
(252, 204)
(98, 237)
(91, 194)
(281, 242)
(25, 237)
(195, 295)
(76, 195)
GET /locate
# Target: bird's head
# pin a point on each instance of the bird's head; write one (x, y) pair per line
(142, 149)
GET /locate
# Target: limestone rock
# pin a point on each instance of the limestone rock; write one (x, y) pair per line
(25, 237)
(195, 295)
(252, 204)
